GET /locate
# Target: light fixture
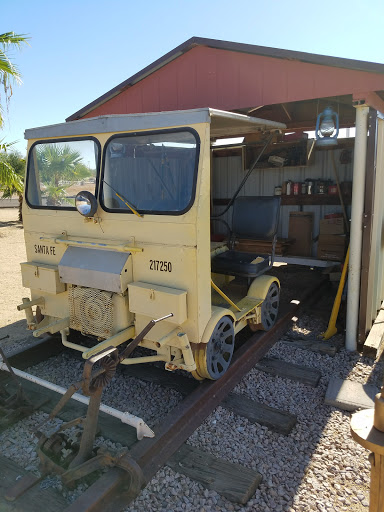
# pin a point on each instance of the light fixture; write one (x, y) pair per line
(327, 128)
(86, 203)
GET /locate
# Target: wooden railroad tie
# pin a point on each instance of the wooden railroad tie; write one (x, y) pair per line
(234, 482)
(34, 500)
(320, 347)
(296, 372)
(256, 412)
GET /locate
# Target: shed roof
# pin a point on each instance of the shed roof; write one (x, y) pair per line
(226, 75)
(222, 123)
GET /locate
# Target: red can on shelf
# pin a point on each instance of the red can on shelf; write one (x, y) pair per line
(332, 190)
(296, 189)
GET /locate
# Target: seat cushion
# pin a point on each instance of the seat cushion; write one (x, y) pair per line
(256, 217)
(238, 263)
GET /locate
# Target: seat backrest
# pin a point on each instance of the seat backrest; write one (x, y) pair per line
(256, 217)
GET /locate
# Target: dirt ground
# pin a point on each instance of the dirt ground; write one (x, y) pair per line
(12, 253)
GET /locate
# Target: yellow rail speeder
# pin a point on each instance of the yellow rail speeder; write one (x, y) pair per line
(117, 215)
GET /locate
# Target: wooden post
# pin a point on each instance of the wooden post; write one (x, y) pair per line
(364, 433)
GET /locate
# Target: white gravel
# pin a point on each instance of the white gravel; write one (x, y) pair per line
(123, 393)
(317, 467)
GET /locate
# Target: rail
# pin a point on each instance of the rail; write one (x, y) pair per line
(112, 491)
(116, 488)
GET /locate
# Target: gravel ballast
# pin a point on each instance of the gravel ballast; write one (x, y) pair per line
(316, 467)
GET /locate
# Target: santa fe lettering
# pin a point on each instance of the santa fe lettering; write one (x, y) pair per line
(45, 249)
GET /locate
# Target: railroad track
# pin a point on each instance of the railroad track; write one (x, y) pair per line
(117, 488)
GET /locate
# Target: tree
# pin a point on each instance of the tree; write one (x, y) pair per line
(10, 178)
(12, 168)
(58, 166)
(9, 74)
(57, 162)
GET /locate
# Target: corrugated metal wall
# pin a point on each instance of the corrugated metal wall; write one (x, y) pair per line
(228, 173)
(376, 264)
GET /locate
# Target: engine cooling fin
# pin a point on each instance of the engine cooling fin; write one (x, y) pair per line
(91, 311)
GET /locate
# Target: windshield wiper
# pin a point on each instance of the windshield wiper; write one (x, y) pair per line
(125, 201)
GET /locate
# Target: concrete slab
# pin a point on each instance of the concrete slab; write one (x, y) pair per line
(9, 203)
(349, 395)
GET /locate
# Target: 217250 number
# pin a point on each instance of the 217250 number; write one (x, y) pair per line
(161, 266)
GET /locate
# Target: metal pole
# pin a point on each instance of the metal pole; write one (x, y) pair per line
(356, 226)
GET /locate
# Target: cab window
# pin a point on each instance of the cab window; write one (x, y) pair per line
(58, 170)
(152, 172)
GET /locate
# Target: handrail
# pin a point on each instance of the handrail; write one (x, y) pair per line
(81, 243)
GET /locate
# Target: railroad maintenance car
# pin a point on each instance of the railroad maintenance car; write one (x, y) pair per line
(117, 219)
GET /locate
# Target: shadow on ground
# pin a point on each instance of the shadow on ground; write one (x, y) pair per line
(15, 335)
(11, 224)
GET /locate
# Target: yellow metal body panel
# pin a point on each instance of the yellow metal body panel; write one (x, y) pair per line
(217, 313)
(246, 305)
(260, 286)
(41, 276)
(183, 240)
(157, 301)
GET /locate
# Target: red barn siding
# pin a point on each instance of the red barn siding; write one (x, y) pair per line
(228, 80)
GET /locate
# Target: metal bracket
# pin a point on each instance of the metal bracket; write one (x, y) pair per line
(54, 327)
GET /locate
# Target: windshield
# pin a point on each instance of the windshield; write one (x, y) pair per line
(58, 170)
(152, 172)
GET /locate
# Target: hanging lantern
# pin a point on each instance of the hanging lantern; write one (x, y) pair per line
(327, 128)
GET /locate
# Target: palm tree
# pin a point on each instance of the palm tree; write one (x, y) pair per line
(9, 74)
(57, 164)
(12, 168)
(10, 176)
(10, 179)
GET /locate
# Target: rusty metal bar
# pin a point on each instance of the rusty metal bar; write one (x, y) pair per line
(112, 491)
(108, 494)
(90, 429)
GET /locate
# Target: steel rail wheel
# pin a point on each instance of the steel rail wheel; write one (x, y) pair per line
(269, 310)
(213, 358)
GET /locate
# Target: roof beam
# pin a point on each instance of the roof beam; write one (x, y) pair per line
(371, 99)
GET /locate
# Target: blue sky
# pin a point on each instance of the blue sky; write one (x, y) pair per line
(80, 49)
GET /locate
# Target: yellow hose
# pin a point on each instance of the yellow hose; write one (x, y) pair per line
(332, 330)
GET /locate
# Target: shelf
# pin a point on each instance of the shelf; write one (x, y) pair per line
(295, 154)
(312, 199)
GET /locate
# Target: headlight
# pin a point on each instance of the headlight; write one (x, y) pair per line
(86, 203)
